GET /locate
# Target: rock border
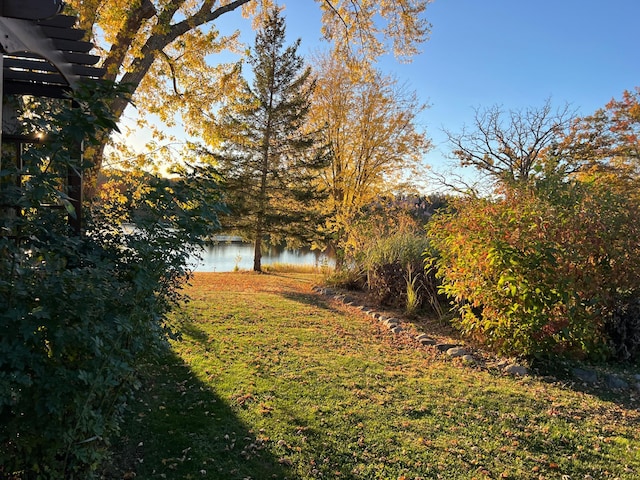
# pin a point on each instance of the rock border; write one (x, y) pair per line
(469, 358)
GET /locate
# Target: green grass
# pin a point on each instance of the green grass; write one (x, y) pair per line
(272, 381)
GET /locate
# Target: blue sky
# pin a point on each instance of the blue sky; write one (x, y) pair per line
(513, 53)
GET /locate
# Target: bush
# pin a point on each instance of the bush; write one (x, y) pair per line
(535, 271)
(622, 327)
(77, 312)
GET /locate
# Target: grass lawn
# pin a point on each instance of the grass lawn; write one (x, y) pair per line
(271, 380)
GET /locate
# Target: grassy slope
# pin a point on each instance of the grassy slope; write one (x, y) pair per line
(272, 381)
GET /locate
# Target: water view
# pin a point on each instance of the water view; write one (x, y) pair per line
(230, 256)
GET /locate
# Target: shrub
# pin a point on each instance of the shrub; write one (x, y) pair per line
(535, 272)
(77, 312)
(349, 278)
(622, 327)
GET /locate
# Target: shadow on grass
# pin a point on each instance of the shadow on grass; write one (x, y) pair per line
(561, 371)
(178, 428)
(311, 299)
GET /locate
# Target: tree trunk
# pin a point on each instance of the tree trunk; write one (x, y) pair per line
(257, 252)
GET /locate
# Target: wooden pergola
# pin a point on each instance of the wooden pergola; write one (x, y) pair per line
(43, 55)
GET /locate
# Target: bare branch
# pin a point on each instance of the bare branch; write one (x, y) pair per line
(511, 150)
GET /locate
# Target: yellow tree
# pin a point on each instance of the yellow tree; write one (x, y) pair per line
(605, 146)
(370, 125)
(163, 48)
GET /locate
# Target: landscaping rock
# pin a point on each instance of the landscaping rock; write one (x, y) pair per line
(516, 370)
(457, 352)
(469, 359)
(610, 381)
(443, 347)
(615, 383)
(587, 376)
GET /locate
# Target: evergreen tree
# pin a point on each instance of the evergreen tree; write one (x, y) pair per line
(269, 160)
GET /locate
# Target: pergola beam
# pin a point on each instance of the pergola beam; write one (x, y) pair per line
(42, 54)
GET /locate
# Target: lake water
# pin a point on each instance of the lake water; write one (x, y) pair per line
(227, 257)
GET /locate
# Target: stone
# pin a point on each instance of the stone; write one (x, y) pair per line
(615, 383)
(637, 376)
(468, 359)
(587, 376)
(443, 347)
(397, 329)
(427, 341)
(390, 322)
(638, 387)
(420, 336)
(457, 352)
(516, 370)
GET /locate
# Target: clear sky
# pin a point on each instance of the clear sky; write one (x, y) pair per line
(513, 53)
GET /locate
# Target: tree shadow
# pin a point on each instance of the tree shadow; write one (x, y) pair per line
(600, 380)
(311, 299)
(177, 427)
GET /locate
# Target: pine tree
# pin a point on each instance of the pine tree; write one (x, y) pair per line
(269, 160)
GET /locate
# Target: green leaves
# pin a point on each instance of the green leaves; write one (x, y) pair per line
(77, 313)
(269, 160)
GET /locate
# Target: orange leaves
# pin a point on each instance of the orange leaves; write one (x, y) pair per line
(522, 266)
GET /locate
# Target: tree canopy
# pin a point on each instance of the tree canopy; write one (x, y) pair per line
(372, 134)
(269, 159)
(511, 146)
(162, 48)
